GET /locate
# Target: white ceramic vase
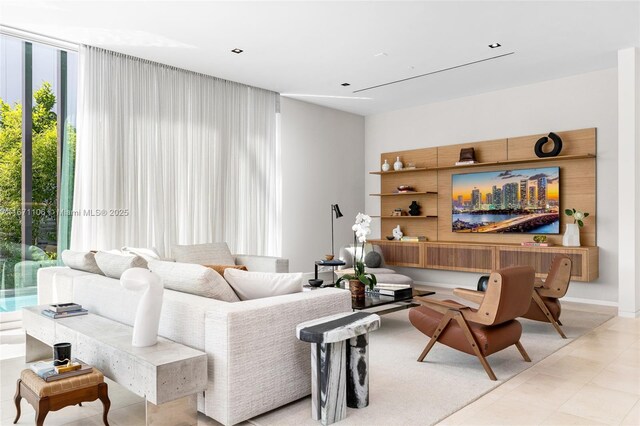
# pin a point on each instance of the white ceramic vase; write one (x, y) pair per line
(398, 164)
(386, 166)
(397, 233)
(571, 237)
(145, 327)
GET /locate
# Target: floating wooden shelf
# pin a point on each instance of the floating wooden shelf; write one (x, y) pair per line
(387, 194)
(390, 172)
(493, 163)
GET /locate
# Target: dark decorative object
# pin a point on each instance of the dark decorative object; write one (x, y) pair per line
(540, 238)
(315, 282)
(557, 146)
(467, 154)
(390, 237)
(61, 353)
(334, 209)
(414, 209)
(373, 259)
(483, 282)
(405, 188)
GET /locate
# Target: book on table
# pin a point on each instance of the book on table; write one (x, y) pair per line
(65, 307)
(51, 313)
(393, 290)
(49, 373)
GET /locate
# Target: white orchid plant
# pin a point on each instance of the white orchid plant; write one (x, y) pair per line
(577, 216)
(362, 229)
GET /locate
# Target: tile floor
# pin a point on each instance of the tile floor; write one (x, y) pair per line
(594, 380)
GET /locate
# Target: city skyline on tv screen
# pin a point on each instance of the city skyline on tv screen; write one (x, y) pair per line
(508, 201)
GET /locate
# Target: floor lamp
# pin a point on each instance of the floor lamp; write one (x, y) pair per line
(334, 209)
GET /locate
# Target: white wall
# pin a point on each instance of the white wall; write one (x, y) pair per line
(581, 101)
(322, 164)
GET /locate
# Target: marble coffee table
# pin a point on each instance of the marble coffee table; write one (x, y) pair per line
(339, 369)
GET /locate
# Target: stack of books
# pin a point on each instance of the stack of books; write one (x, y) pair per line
(414, 239)
(50, 373)
(397, 291)
(64, 310)
(465, 163)
(533, 244)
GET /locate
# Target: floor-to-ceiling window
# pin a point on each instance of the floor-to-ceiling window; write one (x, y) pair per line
(37, 146)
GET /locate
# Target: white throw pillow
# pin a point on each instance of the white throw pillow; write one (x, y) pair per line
(113, 265)
(81, 260)
(193, 279)
(145, 253)
(204, 254)
(256, 285)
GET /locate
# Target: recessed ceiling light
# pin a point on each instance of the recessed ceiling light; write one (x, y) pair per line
(236, 50)
(345, 84)
(494, 45)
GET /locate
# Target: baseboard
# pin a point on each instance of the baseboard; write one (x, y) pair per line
(629, 314)
(567, 298)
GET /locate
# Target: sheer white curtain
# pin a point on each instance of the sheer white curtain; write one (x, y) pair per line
(167, 156)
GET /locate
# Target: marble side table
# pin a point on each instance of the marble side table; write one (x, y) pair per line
(339, 363)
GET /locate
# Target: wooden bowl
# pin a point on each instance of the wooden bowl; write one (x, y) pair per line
(328, 256)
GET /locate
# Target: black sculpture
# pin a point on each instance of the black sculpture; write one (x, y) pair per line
(557, 146)
(414, 209)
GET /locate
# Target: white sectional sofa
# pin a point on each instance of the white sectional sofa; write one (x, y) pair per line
(255, 362)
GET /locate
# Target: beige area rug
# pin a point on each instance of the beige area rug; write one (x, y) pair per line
(405, 392)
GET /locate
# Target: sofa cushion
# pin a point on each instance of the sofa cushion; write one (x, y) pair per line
(81, 260)
(256, 285)
(203, 254)
(114, 265)
(221, 268)
(193, 279)
(145, 253)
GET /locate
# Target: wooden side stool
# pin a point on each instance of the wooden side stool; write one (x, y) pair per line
(52, 396)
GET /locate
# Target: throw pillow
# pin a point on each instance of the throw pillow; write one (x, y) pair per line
(114, 265)
(204, 254)
(256, 285)
(193, 279)
(373, 259)
(145, 253)
(221, 268)
(80, 260)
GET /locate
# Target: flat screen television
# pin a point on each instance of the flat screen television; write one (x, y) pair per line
(507, 201)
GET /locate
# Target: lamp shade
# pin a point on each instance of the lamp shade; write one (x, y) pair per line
(337, 211)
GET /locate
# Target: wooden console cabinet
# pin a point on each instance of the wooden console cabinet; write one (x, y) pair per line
(484, 258)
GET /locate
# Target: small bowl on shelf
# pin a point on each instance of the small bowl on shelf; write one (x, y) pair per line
(390, 237)
(328, 256)
(315, 282)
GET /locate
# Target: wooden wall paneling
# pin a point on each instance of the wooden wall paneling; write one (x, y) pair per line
(422, 181)
(459, 257)
(486, 151)
(427, 227)
(574, 142)
(577, 190)
(423, 157)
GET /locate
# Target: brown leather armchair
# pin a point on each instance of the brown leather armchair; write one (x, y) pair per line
(545, 305)
(488, 329)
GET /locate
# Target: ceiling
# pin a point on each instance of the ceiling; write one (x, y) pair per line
(307, 49)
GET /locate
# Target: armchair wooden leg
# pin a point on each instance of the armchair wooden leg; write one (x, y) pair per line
(545, 311)
(17, 398)
(439, 330)
(522, 351)
(474, 345)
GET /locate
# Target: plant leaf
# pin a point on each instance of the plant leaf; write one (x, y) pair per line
(580, 224)
(365, 280)
(568, 212)
(586, 214)
(574, 210)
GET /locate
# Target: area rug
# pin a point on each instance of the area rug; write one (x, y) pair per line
(405, 392)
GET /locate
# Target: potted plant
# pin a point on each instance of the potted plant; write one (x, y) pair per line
(571, 236)
(360, 278)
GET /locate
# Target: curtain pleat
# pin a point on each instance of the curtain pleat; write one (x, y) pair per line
(167, 156)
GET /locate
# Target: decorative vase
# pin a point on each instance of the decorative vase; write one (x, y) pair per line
(386, 166)
(571, 237)
(145, 326)
(398, 164)
(414, 209)
(357, 289)
(397, 233)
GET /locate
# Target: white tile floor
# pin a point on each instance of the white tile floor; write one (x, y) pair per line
(593, 380)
